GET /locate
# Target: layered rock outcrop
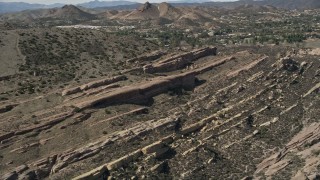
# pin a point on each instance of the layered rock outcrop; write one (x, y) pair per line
(142, 92)
(148, 57)
(179, 61)
(304, 145)
(93, 84)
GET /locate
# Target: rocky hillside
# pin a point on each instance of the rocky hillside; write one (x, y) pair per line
(67, 12)
(201, 113)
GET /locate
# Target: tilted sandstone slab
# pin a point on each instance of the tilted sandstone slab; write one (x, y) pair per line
(124, 160)
(142, 110)
(44, 123)
(156, 149)
(70, 91)
(179, 61)
(93, 84)
(192, 128)
(148, 57)
(152, 147)
(97, 173)
(313, 89)
(69, 157)
(307, 138)
(247, 67)
(212, 65)
(142, 92)
(102, 82)
(49, 121)
(59, 161)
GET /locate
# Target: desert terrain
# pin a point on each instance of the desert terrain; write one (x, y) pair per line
(160, 92)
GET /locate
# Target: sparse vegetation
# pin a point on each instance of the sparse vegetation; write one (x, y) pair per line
(161, 92)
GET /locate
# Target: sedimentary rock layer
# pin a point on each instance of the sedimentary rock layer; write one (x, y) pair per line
(142, 92)
(93, 84)
(179, 61)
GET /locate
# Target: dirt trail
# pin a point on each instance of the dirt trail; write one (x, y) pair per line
(18, 49)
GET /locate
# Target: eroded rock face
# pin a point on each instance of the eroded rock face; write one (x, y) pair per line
(145, 6)
(93, 84)
(227, 116)
(148, 57)
(303, 145)
(140, 93)
(179, 61)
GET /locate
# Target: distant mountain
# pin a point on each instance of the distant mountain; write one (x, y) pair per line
(154, 11)
(97, 3)
(285, 4)
(145, 11)
(6, 7)
(189, 1)
(70, 12)
(267, 4)
(67, 12)
(120, 7)
(293, 4)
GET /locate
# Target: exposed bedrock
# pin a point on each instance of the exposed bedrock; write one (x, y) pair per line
(93, 84)
(45, 123)
(142, 92)
(304, 145)
(179, 61)
(148, 57)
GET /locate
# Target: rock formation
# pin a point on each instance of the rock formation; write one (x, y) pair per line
(93, 84)
(148, 57)
(142, 92)
(304, 145)
(179, 61)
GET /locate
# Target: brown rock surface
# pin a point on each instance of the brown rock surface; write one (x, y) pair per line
(179, 61)
(307, 139)
(93, 84)
(139, 93)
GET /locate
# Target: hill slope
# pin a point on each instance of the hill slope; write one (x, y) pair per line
(67, 12)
